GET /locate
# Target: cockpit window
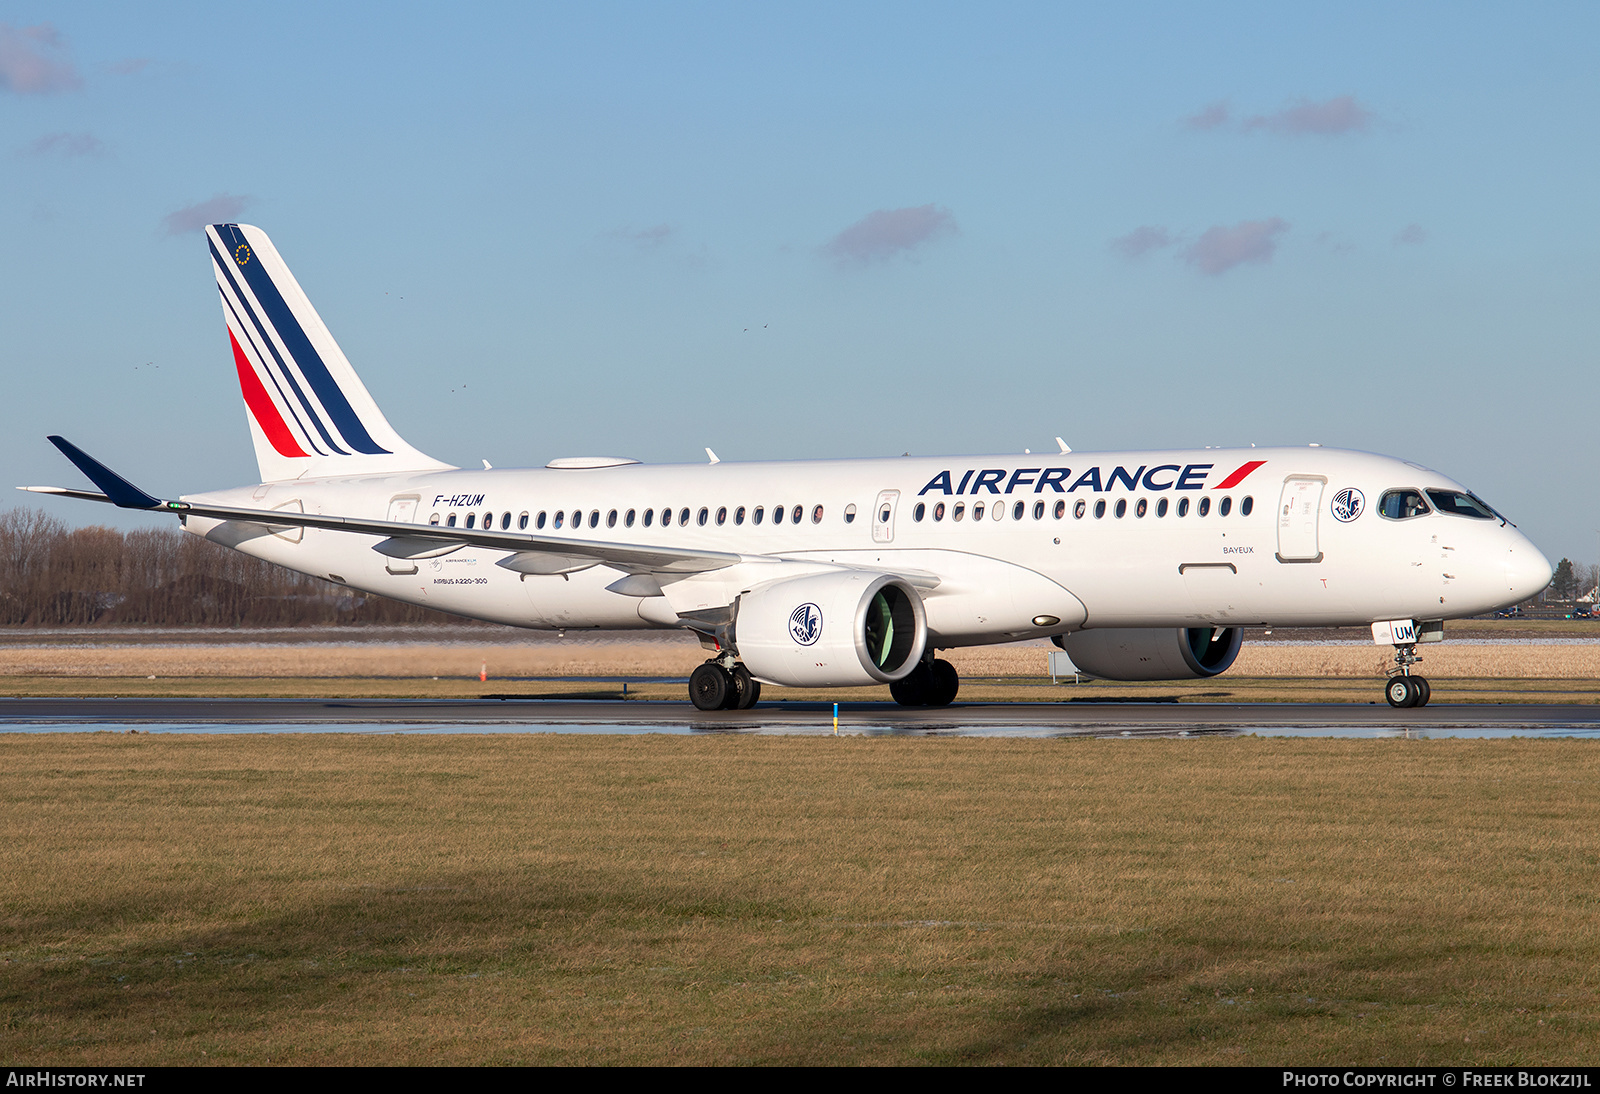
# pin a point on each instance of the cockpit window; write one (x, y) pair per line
(1402, 504)
(1462, 505)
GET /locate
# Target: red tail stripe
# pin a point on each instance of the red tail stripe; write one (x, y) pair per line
(260, 404)
(1238, 476)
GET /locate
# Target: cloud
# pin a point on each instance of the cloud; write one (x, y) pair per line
(1211, 117)
(646, 239)
(1412, 234)
(67, 144)
(33, 60)
(194, 218)
(1342, 114)
(1219, 249)
(1141, 241)
(884, 233)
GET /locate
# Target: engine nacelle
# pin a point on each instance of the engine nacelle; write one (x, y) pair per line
(831, 630)
(1153, 653)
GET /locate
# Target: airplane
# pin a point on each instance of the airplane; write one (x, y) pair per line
(845, 572)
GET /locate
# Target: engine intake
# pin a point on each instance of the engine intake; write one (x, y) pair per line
(1153, 653)
(831, 630)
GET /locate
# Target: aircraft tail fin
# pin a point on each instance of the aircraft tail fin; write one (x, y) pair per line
(309, 413)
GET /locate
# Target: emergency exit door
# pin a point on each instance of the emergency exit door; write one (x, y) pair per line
(883, 517)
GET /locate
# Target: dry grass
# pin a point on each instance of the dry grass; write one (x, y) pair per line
(556, 899)
(679, 659)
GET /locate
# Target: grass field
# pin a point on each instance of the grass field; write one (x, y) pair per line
(560, 899)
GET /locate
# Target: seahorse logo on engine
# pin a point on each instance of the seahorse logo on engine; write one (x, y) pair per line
(805, 624)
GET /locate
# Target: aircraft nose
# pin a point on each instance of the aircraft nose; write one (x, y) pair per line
(1527, 570)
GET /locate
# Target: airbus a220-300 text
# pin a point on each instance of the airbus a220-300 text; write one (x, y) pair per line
(837, 573)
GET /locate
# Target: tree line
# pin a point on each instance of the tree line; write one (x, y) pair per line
(52, 575)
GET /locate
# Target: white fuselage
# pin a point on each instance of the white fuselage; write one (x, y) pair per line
(1291, 555)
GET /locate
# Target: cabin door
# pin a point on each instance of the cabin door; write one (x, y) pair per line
(1298, 509)
(883, 517)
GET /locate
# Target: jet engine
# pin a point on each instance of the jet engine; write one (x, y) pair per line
(1153, 653)
(831, 630)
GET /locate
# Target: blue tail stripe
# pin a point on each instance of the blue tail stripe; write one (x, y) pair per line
(306, 357)
(251, 339)
(266, 339)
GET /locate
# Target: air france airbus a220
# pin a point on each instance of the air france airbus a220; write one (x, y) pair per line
(1141, 565)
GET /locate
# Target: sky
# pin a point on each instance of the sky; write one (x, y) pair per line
(815, 230)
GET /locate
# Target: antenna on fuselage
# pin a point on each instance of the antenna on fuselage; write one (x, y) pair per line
(1063, 444)
(713, 456)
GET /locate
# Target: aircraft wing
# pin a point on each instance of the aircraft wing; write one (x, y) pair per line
(402, 540)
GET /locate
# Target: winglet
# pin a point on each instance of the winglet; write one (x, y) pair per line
(121, 492)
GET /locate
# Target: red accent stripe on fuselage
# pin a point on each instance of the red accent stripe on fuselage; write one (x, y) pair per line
(260, 404)
(1238, 476)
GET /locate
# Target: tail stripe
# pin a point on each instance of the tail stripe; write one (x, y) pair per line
(243, 304)
(231, 312)
(260, 404)
(309, 361)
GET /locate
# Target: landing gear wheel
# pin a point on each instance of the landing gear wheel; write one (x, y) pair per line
(709, 686)
(915, 688)
(1402, 691)
(1424, 691)
(946, 682)
(745, 689)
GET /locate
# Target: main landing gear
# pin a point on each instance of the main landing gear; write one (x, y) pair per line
(930, 684)
(1404, 689)
(715, 687)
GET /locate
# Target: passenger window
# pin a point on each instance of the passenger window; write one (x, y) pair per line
(816, 515)
(627, 521)
(577, 518)
(1061, 509)
(850, 513)
(522, 523)
(505, 521)
(1142, 508)
(666, 518)
(1161, 507)
(450, 522)
(1018, 509)
(594, 518)
(649, 517)
(938, 511)
(916, 514)
(1078, 509)
(997, 511)
(755, 518)
(470, 518)
(1122, 508)
(1245, 506)
(1100, 509)
(977, 510)
(611, 519)
(434, 519)
(959, 511)
(777, 514)
(1402, 504)
(560, 516)
(1205, 506)
(683, 516)
(794, 517)
(1225, 507)
(722, 515)
(1038, 510)
(738, 515)
(705, 515)
(1183, 507)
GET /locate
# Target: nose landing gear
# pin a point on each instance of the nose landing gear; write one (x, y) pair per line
(1404, 689)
